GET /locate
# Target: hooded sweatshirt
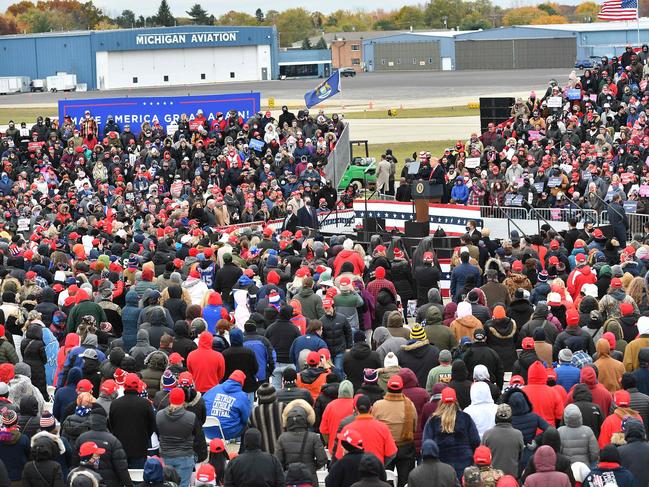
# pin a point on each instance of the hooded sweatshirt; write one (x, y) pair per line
(206, 365)
(482, 409)
(609, 370)
(578, 442)
(231, 405)
(546, 475)
(601, 396)
(461, 383)
(545, 401)
(130, 317)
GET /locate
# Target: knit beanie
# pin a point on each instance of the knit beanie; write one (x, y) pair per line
(266, 394)
(390, 360)
(346, 390)
(47, 422)
(168, 380)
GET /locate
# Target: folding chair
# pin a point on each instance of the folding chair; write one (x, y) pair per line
(136, 474)
(392, 477)
(212, 421)
(322, 475)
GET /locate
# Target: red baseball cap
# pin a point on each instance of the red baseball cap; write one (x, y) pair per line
(175, 358)
(528, 343)
(482, 455)
(313, 358)
(131, 382)
(580, 258)
(517, 266)
(327, 303)
(428, 257)
(395, 383)
(448, 395)
(554, 244)
(622, 398)
(352, 437)
(108, 387)
(626, 309)
(597, 233)
(616, 282)
(84, 385)
(217, 445)
(205, 473)
(90, 448)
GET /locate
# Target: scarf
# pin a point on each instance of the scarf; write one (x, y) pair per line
(82, 411)
(408, 418)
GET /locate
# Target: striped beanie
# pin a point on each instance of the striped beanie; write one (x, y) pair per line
(168, 380)
(48, 422)
(417, 333)
(9, 418)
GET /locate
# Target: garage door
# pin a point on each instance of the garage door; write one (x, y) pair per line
(160, 67)
(407, 56)
(516, 53)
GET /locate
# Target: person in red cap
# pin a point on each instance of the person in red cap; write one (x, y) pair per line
(609, 305)
(526, 358)
(337, 334)
(573, 335)
(399, 414)
(345, 472)
(132, 421)
(545, 401)
(218, 458)
(517, 280)
(89, 458)
(206, 365)
(348, 254)
(482, 460)
(314, 376)
(380, 282)
(427, 276)
(377, 438)
(612, 425)
(454, 432)
(230, 404)
(176, 429)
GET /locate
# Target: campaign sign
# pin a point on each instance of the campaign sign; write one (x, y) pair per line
(163, 109)
(631, 206)
(573, 94)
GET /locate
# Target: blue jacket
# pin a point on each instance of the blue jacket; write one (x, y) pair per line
(52, 352)
(459, 275)
(263, 352)
(642, 379)
(460, 193)
(305, 342)
(455, 448)
(600, 476)
(231, 405)
(74, 360)
(130, 317)
(567, 376)
(67, 394)
(573, 255)
(212, 314)
(539, 293)
(523, 419)
(14, 452)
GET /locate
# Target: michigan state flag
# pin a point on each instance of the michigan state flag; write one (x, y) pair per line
(325, 90)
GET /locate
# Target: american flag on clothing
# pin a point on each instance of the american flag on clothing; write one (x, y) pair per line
(619, 10)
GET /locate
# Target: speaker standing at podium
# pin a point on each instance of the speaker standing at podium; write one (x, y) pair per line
(433, 172)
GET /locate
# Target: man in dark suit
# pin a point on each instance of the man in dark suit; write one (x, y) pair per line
(307, 215)
(290, 220)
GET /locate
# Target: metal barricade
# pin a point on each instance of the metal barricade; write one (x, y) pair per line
(637, 221)
(513, 212)
(564, 214)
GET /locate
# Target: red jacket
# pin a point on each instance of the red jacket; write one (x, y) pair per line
(349, 256)
(334, 413)
(206, 365)
(600, 394)
(545, 400)
(613, 424)
(578, 278)
(377, 438)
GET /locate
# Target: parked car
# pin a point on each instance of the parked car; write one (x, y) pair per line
(591, 62)
(345, 72)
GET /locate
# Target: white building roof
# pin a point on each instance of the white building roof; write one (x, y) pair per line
(595, 26)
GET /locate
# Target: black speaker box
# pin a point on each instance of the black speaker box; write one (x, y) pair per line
(495, 110)
(417, 229)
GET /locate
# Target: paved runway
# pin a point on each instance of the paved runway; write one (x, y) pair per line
(408, 88)
(413, 129)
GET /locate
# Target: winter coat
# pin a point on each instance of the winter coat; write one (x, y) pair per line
(546, 475)
(336, 332)
(482, 408)
(419, 356)
(297, 443)
(574, 338)
(546, 403)
(113, 465)
(465, 327)
(439, 335)
(601, 396)
(183, 344)
(304, 343)
(481, 353)
(523, 418)
(74, 425)
(254, 467)
(633, 351)
(385, 303)
(130, 318)
(432, 468)
(601, 475)
(142, 348)
(538, 320)
(43, 470)
(501, 337)
(32, 349)
(263, 352)
(156, 364)
(506, 445)
(461, 383)
(419, 398)
(176, 305)
(577, 441)
(359, 358)
(609, 370)
(612, 425)
(394, 323)
(401, 277)
(495, 292)
(633, 454)
(525, 359)
(29, 417)
(67, 394)
(206, 365)
(8, 353)
(267, 418)
(132, 421)
(520, 310)
(591, 415)
(238, 357)
(311, 304)
(231, 405)
(455, 449)
(176, 430)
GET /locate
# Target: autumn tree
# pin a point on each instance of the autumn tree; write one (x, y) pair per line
(236, 18)
(522, 16)
(409, 16)
(587, 12)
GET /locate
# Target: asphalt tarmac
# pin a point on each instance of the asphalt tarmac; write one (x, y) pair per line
(408, 88)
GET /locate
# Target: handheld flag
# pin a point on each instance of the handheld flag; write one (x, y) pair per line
(324, 90)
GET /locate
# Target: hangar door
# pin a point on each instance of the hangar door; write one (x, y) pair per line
(168, 67)
(516, 53)
(407, 56)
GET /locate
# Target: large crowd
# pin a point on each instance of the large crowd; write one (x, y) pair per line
(145, 336)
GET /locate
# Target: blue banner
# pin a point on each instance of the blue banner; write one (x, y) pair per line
(163, 109)
(324, 90)
(574, 94)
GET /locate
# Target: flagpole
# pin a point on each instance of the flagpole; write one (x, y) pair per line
(637, 20)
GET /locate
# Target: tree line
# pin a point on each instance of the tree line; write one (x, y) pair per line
(297, 25)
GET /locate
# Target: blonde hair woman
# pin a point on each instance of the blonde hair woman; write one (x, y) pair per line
(638, 291)
(454, 432)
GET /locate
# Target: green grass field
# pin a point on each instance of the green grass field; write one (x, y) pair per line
(27, 115)
(459, 111)
(401, 150)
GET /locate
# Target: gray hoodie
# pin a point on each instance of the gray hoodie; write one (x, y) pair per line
(176, 431)
(578, 442)
(386, 343)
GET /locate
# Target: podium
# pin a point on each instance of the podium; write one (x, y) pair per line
(424, 192)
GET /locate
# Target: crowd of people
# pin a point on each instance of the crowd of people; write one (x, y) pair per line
(143, 334)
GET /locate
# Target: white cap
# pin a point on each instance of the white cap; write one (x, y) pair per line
(589, 290)
(643, 325)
